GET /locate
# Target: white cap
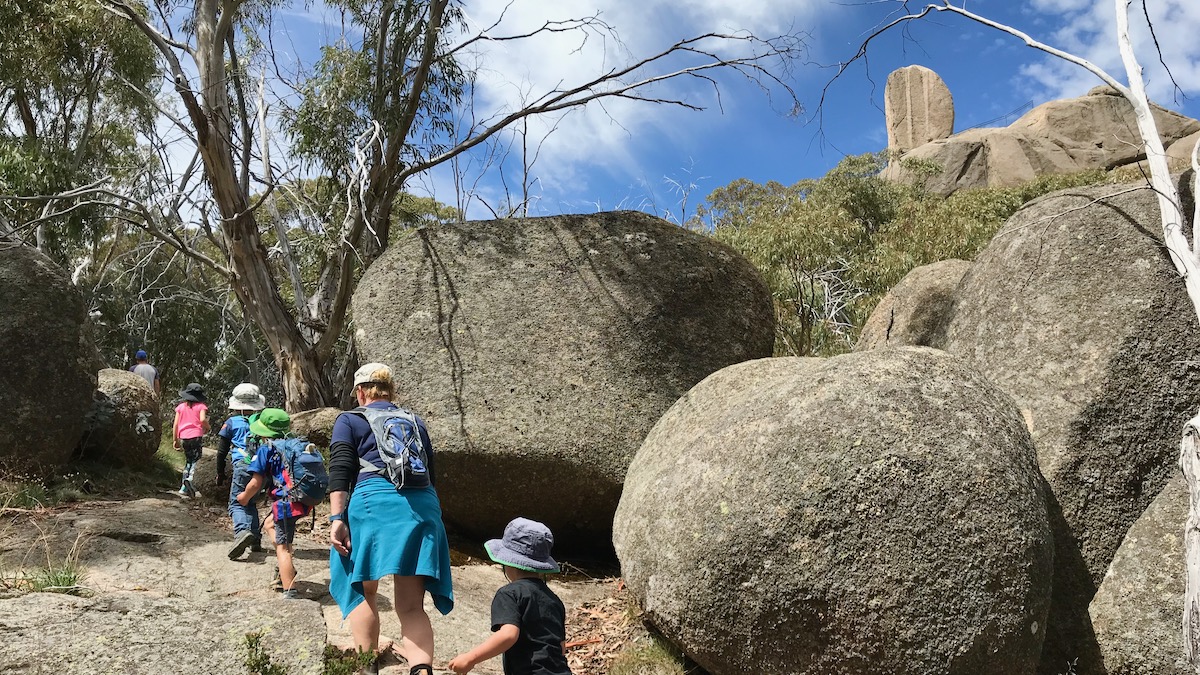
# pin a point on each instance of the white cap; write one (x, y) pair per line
(246, 397)
(367, 372)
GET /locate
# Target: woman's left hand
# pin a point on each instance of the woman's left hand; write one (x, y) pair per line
(339, 537)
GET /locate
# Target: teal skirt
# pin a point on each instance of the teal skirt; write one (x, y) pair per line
(392, 532)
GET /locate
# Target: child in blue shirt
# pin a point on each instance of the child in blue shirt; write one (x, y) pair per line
(234, 438)
(267, 470)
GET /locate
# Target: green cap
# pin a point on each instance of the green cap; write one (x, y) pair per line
(271, 423)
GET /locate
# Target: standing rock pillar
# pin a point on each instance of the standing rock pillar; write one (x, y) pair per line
(918, 108)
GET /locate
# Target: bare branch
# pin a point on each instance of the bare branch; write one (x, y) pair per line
(609, 85)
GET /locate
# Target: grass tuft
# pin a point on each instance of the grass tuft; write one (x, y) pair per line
(651, 655)
(339, 662)
(64, 578)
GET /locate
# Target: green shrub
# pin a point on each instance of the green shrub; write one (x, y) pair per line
(830, 248)
(257, 660)
(338, 662)
(66, 577)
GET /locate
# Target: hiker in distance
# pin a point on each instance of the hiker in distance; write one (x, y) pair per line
(236, 444)
(528, 619)
(277, 466)
(147, 372)
(386, 519)
(191, 423)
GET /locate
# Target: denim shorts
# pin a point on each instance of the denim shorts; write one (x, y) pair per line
(285, 530)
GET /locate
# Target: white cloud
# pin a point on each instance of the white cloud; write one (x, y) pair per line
(607, 136)
(1088, 29)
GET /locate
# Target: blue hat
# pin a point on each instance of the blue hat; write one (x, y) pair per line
(141, 355)
(525, 546)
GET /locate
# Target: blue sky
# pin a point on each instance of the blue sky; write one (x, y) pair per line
(635, 155)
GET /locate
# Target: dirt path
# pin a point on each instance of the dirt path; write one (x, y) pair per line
(163, 593)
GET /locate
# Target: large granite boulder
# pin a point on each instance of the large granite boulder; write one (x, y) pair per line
(47, 380)
(1075, 311)
(1096, 131)
(315, 425)
(124, 426)
(916, 311)
(876, 512)
(918, 108)
(541, 350)
(1138, 607)
(986, 158)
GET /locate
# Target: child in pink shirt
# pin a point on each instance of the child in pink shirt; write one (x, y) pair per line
(191, 423)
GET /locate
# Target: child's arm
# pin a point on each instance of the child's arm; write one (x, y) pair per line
(175, 430)
(498, 643)
(252, 488)
(204, 426)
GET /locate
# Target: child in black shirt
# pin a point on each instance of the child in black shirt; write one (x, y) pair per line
(528, 619)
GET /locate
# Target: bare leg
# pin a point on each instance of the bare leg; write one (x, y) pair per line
(414, 622)
(287, 568)
(364, 619)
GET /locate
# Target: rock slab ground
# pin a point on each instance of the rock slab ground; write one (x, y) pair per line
(164, 597)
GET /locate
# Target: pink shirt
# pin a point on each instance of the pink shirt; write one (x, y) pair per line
(187, 420)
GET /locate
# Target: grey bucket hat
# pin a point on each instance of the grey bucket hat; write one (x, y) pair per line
(526, 546)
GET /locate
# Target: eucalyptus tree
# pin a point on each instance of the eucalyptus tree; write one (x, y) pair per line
(377, 110)
(70, 111)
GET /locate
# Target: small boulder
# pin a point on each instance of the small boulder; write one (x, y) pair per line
(47, 380)
(124, 426)
(541, 350)
(1179, 153)
(825, 516)
(916, 311)
(1138, 607)
(918, 108)
(315, 425)
(204, 478)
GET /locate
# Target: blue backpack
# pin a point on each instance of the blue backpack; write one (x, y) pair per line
(306, 475)
(398, 439)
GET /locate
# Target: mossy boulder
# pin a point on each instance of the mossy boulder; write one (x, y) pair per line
(124, 426)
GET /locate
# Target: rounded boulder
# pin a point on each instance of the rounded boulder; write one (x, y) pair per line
(876, 512)
(916, 311)
(124, 426)
(47, 380)
(315, 425)
(541, 350)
